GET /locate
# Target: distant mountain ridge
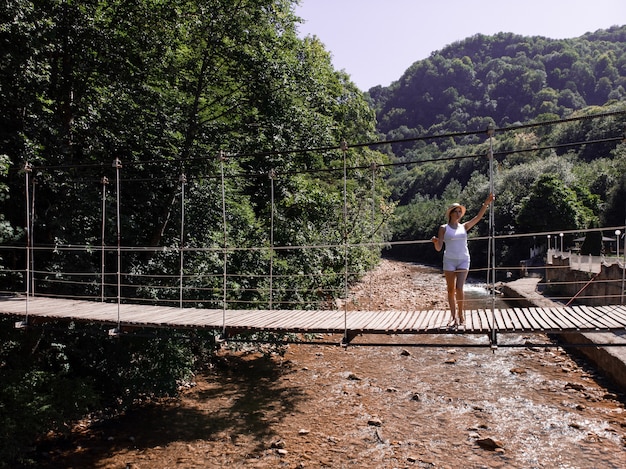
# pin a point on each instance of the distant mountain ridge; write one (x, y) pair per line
(504, 78)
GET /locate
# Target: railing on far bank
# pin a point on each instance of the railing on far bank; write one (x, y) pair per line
(584, 263)
(590, 280)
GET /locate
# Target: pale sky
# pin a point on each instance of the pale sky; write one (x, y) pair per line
(375, 41)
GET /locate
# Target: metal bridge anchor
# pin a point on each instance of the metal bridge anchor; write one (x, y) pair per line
(347, 338)
(493, 341)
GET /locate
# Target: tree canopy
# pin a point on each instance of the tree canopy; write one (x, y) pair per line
(507, 81)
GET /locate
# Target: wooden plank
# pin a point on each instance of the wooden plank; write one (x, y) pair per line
(485, 320)
(479, 321)
(544, 316)
(268, 319)
(611, 316)
(251, 318)
(438, 320)
(498, 319)
(339, 320)
(378, 323)
(510, 320)
(617, 312)
(359, 322)
(386, 321)
(529, 319)
(377, 320)
(152, 315)
(592, 320)
(393, 323)
(469, 319)
(416, 318)
(280, 319)
(573, 320)
(560, 319)
(583, 320)
(520, 320)
(407, 318)
(322, 321)
(319, 319)
(603, 317)
(423, 318)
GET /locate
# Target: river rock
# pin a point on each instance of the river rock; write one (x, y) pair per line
(574, 386)
(489, 444)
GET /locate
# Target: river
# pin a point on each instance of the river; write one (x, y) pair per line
(395, 405)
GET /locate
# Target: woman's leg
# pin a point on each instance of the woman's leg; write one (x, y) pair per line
(461, 276)
(450, 283)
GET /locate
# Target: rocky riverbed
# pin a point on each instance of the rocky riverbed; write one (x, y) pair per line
(398, 404)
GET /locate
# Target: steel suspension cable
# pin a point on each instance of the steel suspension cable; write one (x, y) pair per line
(384, 142)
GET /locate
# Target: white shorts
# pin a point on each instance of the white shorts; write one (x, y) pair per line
(453, 265)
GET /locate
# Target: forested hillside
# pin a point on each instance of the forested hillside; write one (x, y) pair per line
(504, 78)
(508, 81)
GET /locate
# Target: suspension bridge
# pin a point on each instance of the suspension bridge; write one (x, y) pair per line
(129, 312)
(524, 320)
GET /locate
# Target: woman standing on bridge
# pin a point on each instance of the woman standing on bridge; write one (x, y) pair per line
(456, 257)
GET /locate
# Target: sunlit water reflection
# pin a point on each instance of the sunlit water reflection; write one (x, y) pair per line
(549, 409)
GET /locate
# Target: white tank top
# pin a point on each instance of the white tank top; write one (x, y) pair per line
(456, 242)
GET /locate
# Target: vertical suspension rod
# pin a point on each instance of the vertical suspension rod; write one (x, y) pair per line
(104, 181)
(373, 168)
(27, 170)
(182, 179)
(224, 253)
(492, 245)
(272, 175)
(344, 148)
(117, 164)
(32, 238)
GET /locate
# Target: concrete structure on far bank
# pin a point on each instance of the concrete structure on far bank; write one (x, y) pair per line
(603, 287)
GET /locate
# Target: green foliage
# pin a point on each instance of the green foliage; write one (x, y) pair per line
(550, 205)
(506, 80)
(52, 376)
(214, 88)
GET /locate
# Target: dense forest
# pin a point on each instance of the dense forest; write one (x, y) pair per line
(219, 131)
(221, 96)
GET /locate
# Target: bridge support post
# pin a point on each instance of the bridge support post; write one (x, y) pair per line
(493, 341)
(347, 338)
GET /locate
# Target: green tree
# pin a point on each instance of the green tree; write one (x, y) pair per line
(550, 206)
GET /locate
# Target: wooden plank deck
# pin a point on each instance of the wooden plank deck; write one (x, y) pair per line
(517, 320)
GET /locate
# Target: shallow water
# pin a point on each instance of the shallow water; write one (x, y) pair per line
(547, 408)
